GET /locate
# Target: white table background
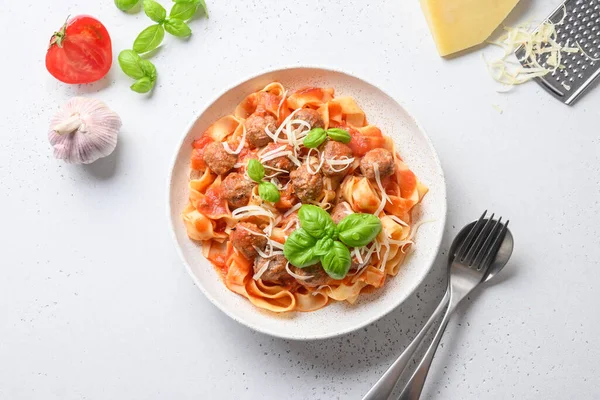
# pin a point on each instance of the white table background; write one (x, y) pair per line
(95, 304)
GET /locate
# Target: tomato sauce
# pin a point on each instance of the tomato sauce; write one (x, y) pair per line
(212, 204)
(199, 145)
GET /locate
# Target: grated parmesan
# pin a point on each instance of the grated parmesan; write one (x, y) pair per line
(296, 276)
(541, 41)
(238, 150)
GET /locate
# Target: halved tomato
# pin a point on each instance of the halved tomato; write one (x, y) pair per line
(80, 52)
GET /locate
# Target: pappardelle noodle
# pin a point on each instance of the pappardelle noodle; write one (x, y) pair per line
(297, 200)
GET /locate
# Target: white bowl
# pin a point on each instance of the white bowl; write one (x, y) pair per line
(337, 318)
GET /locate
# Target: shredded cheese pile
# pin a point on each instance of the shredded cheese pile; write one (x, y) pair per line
(539, 46)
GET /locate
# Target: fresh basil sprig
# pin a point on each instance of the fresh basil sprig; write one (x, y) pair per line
(317, 136)
(177, 27)
(319, 239)
(266, 190)
(357, 230)
(186, 9)
(126, 5)
(256, 171)
(155, 11)
(143, 71)
(149, 39)
(152, 37)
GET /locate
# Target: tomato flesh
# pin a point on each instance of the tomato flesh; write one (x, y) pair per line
(81, 52)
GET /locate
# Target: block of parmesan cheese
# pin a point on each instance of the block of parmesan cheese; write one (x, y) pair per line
(459, 24)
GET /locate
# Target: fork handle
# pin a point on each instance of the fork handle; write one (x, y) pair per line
(385, 385)
(413, 388)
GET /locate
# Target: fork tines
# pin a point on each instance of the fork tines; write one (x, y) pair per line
(481, 245)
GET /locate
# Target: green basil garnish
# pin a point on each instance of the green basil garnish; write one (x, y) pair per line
(316, 240)
(149, 39)
(142, 85)
(155, 11)
(131, 64)
(315, 220)
(126, 5)
(256, 171)
(266, 190)
(323, 246)
(357, 230)
(269, 192)
(337, 261)
(177, 27)
(298, 249)
(315, 138)
(339, 135)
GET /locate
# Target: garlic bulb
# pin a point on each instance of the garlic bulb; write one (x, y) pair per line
(83, 131)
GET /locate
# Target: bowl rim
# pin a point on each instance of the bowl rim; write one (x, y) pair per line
(438, 240)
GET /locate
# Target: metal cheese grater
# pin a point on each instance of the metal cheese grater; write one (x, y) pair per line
(581, 25)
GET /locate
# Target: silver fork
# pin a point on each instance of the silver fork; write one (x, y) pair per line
(468, 269)
(471, 256)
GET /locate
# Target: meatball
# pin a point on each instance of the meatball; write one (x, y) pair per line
(319, 276)
(382, 158)
(340, 211)
(336, 151)
(307, 186)
(244, 240)
(255, 129)
(311, 116)
(275, 272)
(218, 160)
(280, 162)
(236, 190)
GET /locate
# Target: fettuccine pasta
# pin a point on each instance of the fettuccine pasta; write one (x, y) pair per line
(252, 171)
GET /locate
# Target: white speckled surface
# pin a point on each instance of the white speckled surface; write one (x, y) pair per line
(95, 303)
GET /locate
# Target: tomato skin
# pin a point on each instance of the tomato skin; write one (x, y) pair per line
(80, 52)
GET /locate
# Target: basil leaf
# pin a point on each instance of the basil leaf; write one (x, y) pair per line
(298, 249)
(323, 246)
(143, 85)
(202, 6)
(256, 171)
(269, 192)
(177, 27)
(130, 63)
(126, 5)
(315, 138)
(155, 11)
(314, 220)
(357, 230)
(148, 68)
(183, 11)
(149, 39)
(337, 261)
(332, 232)
(339, 135)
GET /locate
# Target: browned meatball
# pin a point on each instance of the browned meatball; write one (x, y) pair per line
(280, 162)
(307, 186)
(236, 190)
(319, 276)
(340, 211)
(311, 116)
(255, 129)
(382, 158)
(336, 151)
(218, 160)
(245, 241)
(275, 272)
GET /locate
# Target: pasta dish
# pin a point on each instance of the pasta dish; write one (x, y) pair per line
(297, 201)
